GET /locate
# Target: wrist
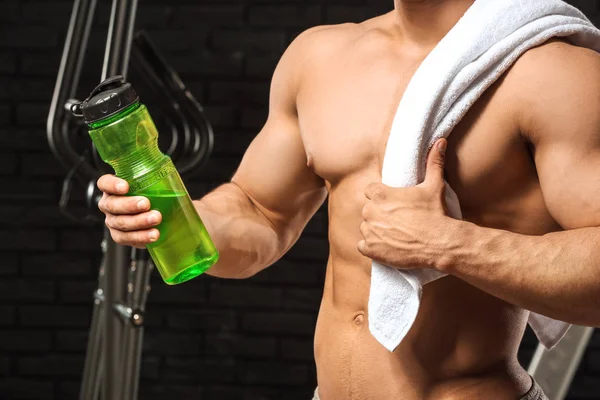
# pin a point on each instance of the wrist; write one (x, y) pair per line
(462, 240)
(202, 211)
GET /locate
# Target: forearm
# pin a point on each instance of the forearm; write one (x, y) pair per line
(247, 242)
(557, 274)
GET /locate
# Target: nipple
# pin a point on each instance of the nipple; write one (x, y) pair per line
(309, 161)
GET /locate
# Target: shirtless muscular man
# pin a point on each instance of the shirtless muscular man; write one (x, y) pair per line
(525, 172)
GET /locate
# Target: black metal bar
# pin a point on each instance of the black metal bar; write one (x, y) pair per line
(57, 127)
(90, 386)
(116, 59)
(120, 34)
(134, 331)
(116, 258)
(140, 295)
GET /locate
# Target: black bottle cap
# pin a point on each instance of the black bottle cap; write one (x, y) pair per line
(107, 99)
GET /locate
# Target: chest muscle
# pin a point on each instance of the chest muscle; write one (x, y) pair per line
(346, 114)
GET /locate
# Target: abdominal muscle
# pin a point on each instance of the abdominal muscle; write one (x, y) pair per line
(462, 345)
(464, 342)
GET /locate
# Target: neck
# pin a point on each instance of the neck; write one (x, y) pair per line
(426, 22)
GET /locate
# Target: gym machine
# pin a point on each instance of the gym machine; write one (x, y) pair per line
(554, 370)
(112, 363)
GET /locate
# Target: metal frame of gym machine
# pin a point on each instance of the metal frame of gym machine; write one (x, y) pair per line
(112, 363)
(114, 346)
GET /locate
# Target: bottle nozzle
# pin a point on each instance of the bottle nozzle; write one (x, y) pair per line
(108, 98)
(75, 107)
(113, 82)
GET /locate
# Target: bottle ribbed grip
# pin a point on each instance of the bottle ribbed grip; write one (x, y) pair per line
(153, 177)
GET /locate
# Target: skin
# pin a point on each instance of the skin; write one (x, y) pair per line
(525, 172)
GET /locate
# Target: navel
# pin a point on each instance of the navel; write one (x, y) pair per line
(359, 319)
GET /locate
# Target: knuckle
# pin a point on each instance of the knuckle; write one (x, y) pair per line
(379, 193)
(143, 237)
(438, 162)
(112, 220)
(140, 238)
(118, 204)
(140, 222)
(363, 227)
(366, 245)
(361, 247)
(372, 186)
(117, 223)
(107, 204)
(102, 202)
(117, 236)
(122, 238)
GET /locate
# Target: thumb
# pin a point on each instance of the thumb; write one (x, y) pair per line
(435, 163)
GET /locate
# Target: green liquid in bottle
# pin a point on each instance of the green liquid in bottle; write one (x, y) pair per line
(184, 250)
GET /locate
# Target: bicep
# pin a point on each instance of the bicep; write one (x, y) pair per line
(570, 181)
(275, 176)
(566, 137)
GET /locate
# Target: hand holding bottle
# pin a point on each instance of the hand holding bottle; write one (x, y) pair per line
(129, 218)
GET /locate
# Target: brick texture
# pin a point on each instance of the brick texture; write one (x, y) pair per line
(207, 339)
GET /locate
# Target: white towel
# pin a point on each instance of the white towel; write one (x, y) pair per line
(469, 59)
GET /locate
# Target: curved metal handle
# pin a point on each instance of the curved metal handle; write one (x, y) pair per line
(197, 151)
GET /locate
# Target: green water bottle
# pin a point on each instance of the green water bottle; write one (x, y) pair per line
(126, 138)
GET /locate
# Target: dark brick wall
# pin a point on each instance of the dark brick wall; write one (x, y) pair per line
(211, 338)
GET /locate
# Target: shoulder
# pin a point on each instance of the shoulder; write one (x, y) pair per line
(555, 84)
(329, 40)
(560, 63)
(315, 51)
(321, 43)
(312, 50)
(322, 50)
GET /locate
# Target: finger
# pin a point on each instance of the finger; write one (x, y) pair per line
(366, 212)
(434, 175)
(112, 185)
(375, 191)
(135, 239)
(129, 223)
(362, 248)
(363, 229)
(124, 205)
(101, 202)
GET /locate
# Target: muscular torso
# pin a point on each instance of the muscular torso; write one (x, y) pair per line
(464, 341)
